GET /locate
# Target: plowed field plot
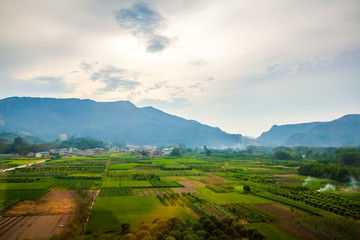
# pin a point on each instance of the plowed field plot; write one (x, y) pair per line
(38, 219)
(152, 191)
(214, 179)
(185, 190)
(192, 183)
(55, 202)
(162, 191)
(32, 227)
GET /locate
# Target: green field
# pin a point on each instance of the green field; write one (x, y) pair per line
(135, 184)
(118, 191)
(32, 185)
(161, 184)
(108, 183)
(123, 166)
(110, 212)
(195, 187)
(21, 194)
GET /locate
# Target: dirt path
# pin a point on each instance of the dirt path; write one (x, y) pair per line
(94, 195)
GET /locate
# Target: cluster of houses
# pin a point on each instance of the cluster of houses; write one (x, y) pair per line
(87, 152)
(147, 151)
(140, 151)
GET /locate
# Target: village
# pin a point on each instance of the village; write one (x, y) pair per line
(139, 151)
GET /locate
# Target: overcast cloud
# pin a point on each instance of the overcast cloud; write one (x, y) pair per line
(239, 65)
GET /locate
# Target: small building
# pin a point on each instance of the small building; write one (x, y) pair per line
(42, 155)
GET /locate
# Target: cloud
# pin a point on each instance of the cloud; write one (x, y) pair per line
(114, 78)
(46, 79)
(144, 23)
(85, 66)
(198, 86)
(117, 82)
(157, 44)
(139, 19)
(272, 68)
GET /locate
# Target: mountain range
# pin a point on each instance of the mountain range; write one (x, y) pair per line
(344, 131)
(114, 122)
(121, 122)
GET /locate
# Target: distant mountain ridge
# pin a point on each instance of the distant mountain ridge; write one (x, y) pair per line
(344, 131)
(116, 122)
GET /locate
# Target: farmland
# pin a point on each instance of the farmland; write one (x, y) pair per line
(265, 196)
(110, 212)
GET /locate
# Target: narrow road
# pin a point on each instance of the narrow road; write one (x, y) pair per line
(22, 166)
(97, 192)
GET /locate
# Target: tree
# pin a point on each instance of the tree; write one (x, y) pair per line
(286, 155)
(175, 152)
(129, 236)
(247, 188)
(208, 225)
(142, 234)
(18, 141)
(125, 227)
(348, 156)
(144, 153)
(207, 151)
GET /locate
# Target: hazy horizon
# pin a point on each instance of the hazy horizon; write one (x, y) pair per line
(242, 66)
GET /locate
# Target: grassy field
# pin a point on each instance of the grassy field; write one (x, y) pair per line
(108, 183)
(123, 166)
(161, 184)
(224, 198)
(31, 185)
(110, 212)
(135, 184)
(190, 161)
(119, 191)
(21, 194)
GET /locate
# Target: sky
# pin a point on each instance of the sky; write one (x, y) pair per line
(242, 66)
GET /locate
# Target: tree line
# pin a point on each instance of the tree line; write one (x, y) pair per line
(344, 164)
(18, 146)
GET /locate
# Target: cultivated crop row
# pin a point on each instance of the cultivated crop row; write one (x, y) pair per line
(336, 204)
(251, 214)
(127, 174)
(54, 171)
